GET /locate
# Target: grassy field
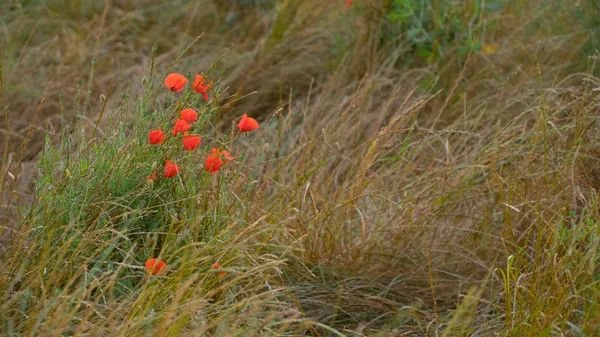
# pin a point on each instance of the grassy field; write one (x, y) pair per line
(422, 168)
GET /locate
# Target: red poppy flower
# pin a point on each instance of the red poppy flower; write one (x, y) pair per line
(155, 266)
(191, 142)
(216, 160)
(213, 163)
(216, 265)
(171, 169)
(175, 82)
(156, 137)
(224, 155)
(348, 3)
(189, 115)
(199, 86)
(152, 177)
(180, 126)
(247, 124)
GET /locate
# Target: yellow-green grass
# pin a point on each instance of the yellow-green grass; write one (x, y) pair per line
(388, 192)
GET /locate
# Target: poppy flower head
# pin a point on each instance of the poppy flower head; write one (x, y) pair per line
(152, 177)
(217, 159)
(225, 156)
(191, 142)
(216, 265)
(247, 124)
(348, 3)
(156, 137)
(175, 82)
(155, 266)
(171, 169)
(199, 86)
(189, 115)
(213, 163)
(180, 126)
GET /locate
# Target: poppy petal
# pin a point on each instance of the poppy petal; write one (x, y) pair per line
(213, 163)
(156, 137)
(180, 126)
(171, 169)
(247, 124)
(189, 115)
(155, 266)
(175, 82)
(191, 142)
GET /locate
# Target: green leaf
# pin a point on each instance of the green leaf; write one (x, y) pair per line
(576, 329)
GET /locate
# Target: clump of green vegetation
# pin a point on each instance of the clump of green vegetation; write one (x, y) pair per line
(422, 168)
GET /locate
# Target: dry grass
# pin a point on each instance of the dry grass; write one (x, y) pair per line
(384, 195)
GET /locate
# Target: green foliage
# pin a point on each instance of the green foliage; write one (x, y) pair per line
(257, 3)
(436, 28)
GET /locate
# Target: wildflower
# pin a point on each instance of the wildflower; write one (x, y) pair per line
(189, 115)
(180, 126)
(199, 86)
(152, 177)
(155, 266)
(216, 265)
(191, 142)
(171, 169)
(156, 137)
(216, 160)
(348, 3)
(213, 162)
(247, 124)
(175, 82)
(224, 155)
